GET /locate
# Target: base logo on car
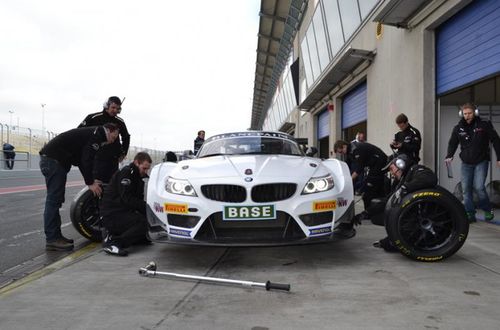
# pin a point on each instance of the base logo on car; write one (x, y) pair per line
(325, 205)
(249, 212)
(176, 208)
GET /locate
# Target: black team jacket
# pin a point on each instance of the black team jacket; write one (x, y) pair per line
(114, 150)
(474, 140)
(124, 193)
(77, 147)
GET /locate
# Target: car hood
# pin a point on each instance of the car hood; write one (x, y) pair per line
(261, 166)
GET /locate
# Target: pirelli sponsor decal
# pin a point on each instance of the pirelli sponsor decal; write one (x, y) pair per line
(324, 205)
(176, 208)
(427, 193)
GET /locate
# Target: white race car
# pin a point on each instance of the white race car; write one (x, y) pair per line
(250, 188)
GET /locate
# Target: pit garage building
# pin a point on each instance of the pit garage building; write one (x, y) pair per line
(326, 69)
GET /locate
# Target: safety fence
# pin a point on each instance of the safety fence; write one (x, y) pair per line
(28, 142)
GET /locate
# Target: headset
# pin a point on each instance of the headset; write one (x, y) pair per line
(476, 111)
(400, 161)
(113, 99)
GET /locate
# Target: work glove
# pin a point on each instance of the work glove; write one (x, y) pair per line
(399, 194)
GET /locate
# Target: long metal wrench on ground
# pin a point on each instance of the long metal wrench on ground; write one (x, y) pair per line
(150, 270)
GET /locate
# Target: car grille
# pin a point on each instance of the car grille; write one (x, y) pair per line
(273, 192)
(224, 193)
(283, 228)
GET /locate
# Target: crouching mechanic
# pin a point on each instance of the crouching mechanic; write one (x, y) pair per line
(123, 208)
(408, 177)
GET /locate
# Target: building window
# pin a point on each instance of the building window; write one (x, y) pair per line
(350, 16)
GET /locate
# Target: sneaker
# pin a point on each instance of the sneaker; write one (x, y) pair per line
(471, 217)
(58, 245)
(489, 215)
(67, 240)
(107, 239)
(115, 250)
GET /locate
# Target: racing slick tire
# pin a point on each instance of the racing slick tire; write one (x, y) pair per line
(427, 225)
(85, 217)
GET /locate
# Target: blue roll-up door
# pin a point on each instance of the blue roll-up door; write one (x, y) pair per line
(354, 106)
(468, 46)
(323, 124)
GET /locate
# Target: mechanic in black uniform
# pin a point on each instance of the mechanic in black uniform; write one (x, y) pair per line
(366, 155)
(408, 140)
(109, 156)
(198, 142)
(123, 208)
(408, 177)
(75, 147)
(9, 155)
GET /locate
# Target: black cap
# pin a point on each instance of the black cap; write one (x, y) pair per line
(401, 161)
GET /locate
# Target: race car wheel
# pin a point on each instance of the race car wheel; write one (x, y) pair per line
(84, 214)
(427, 225)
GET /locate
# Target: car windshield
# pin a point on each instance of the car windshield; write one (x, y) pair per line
(245, 145)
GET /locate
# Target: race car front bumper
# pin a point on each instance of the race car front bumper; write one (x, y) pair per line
(216, 232)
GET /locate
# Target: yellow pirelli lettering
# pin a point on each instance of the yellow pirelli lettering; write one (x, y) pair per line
(427, 193)
(175, 208)
(325, 205)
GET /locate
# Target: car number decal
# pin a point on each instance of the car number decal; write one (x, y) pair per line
(249, 212)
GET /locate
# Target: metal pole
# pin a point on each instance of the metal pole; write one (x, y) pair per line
(43, 116)
(150, 270)
(8, 133)
(29, 159)
(11, 112)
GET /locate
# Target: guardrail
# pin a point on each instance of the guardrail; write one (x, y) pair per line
(29, 141)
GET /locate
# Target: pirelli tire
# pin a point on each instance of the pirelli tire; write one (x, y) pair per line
(427, 225)
(84, 214)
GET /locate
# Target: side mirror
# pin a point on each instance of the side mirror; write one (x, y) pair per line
(311, 151)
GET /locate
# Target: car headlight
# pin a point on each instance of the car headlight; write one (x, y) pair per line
(315, 185)
(179, 187)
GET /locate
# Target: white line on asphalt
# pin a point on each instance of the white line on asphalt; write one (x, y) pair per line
(35, 232)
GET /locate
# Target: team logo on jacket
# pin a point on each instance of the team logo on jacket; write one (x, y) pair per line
(126, 182)
(95, 146)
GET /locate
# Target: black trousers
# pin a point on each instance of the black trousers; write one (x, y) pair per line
(9, 160)
(126, 228)
(374, 188)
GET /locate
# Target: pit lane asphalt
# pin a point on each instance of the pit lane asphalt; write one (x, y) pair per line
(343, 285)
(22, 241)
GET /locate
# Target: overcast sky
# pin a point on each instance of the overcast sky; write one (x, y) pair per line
(182, 65)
